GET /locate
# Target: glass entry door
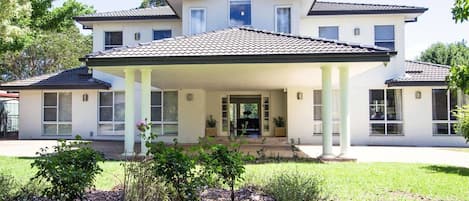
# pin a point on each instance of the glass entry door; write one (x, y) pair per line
(245, 115)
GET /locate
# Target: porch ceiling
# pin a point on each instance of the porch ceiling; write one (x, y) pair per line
(240, 76)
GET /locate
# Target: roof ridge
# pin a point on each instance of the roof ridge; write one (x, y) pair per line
(368, 4)
(428, 63)
(123, 10)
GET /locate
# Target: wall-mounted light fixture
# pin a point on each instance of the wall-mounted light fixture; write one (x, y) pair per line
(418, 95)
(356, 31)
(299, 95)
(85, 97)
(189, 97)
(137, 36)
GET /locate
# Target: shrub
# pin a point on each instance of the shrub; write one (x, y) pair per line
(227, 164)
(70, 169)
(462, 126)
(8, 184)
(141, 184)
(176, 168)
(295, 186)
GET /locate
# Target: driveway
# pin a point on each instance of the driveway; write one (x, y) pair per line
(428, 155)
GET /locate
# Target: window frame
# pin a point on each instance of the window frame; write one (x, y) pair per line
(229, 14)
(204, 21)
(335, 121)
(155, 30)
(338, 31)
(162, 122)
(386, 122)
(461, 100)
(114, 132)
(385, 41)
(112, 46)
(57, 121)
(276, 7)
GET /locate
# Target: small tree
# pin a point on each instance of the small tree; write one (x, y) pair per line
(463, 125)
(70, 169)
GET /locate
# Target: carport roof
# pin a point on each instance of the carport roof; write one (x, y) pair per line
(238, 45)
(76, 78)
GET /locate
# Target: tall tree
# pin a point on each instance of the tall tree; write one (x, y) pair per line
(153, 3)
(461, 10)
(14, 20)
(50, 42)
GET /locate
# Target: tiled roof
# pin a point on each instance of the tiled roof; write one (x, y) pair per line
(341, 8)
(161, 12)
(237, 42)
(76, 78)
(421, 74)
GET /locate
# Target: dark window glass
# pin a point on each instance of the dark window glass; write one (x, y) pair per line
(394, 129)
(240, 12)
(377, 105)
(331, 33)
(161, 34)
(453, 101)
(50, 99)
(284, 20)
(50, 114)
(440, 128)
(378, 129)
(112, 39)
(440, 104)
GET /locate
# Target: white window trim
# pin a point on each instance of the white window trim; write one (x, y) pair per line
(334, 121)
(229, 14)
(153, 32)
(190, 19)
(386, 121)
(449, 110)
(163, 122)
(276, 16)
(57, 122)
(112, 46)
(325, 26)
(113, 122)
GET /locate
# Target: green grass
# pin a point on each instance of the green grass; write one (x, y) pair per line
(343, 181)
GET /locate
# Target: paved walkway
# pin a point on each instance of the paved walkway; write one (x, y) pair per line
(428, 155)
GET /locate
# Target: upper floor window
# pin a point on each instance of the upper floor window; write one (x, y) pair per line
(385, 36)
(240, 12)
(386, 112)
(57, 110)
(198, 20)
(161, 34)
(283, 19)
(112, 39)
(329, 32)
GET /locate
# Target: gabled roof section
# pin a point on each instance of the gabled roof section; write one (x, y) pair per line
(341, 8)
(421, 74)
(239, 45)
(76, 78)
(161, 12)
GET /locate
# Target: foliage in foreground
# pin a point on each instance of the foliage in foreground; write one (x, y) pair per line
(460, 10)
(462, 126)
(11, 189)
(287, 186)
(70, 170)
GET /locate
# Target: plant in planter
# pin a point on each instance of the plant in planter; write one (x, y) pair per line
(211, 129)
(280, 130)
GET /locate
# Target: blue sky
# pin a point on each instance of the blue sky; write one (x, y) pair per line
(436, 25)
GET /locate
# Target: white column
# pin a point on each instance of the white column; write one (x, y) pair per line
(344, 112)
(326, 113)
(129, 112)
(145, 105)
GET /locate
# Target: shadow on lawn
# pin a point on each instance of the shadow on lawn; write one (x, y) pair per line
(448, 169)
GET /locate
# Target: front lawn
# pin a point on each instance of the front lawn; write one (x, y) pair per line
(343, 181)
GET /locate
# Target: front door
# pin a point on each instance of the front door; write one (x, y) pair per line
(245, 115)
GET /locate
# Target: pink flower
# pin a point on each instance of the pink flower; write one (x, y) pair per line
(142, 126)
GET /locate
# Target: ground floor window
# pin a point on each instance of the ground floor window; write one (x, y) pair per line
(443, 103)
(111, 113)
(385, 112)
(164, 112)
(57, 113)
(317, 112)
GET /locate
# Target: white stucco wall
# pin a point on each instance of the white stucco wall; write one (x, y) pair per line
(129, 28)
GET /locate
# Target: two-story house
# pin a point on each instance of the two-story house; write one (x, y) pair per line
(336, 72)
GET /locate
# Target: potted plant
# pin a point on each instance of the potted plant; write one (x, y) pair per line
(211, 128)
(280, 130)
